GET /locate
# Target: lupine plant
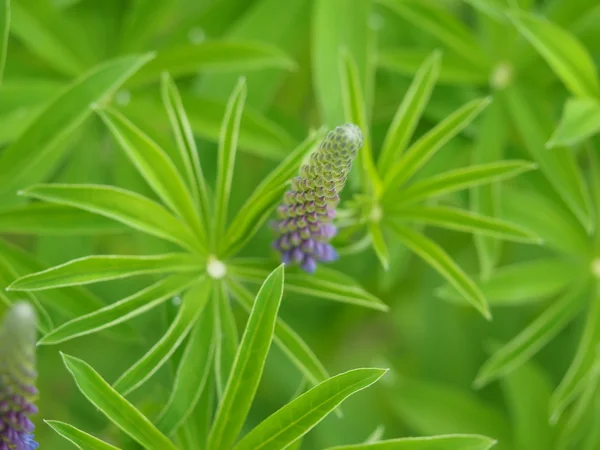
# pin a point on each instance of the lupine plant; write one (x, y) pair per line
(184, 183)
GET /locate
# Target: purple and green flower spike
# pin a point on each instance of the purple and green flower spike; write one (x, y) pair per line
(17, 378)
(304, 221)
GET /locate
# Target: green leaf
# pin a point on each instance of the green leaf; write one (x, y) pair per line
(567, 57)
(191, 378)
(529, 341)
(580, 369)
(4, 31)
(156, 168)
(324, 283)
(118, 410)
(127, 207)
(409, 113)
(461, 220)
(447, 442)
(299, 416)
(580, 120)
(522, 283)
(437, 258)
(379, 245)
(228, 143)
(93, 269)
(286, 339)
(43, 219)
(424, 149)
(28, 159)
(257, 209)
(194, 302)
(120, 311)
(214, 56)
(226, 337)
(80, 439)
(248, 365)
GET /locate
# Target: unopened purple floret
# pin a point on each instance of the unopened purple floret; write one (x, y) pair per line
(304, 225)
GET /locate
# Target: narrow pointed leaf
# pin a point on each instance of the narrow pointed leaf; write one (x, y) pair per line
(537, 334)
(445, 442)
(299, 416)
(226, 337)
(116, 408)
(193, 304)
(379, 245)
(27, 159)
(93, 269)
(249, 363)
(409, 113)
(580, 120)
(437, 258)
(567, 57)
(80, 439)
(120, 311)
(127, 207)
(4, 29)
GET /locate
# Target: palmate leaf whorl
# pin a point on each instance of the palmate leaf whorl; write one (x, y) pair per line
(304, 221)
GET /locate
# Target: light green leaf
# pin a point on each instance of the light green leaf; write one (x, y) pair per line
(4, 31)
(226, 337)
(256, 210)
(437, 258)
(529, 341)
(156, 168)
(191, 377)
(424, 149)
(409, 113)
(324, 283)
(445, 442)
(120, 311)
(462, 220)
(28, 159)
(567, 57)
(228, 144)
(41, 218)
(93, 269)
(299, 416)
(286, 339)
(214, 56)
(379, 245)
(580, 120)
(80, 439)
(127, 207)
(248, 365)
(522, 283)
(118, 410)
(193, 303)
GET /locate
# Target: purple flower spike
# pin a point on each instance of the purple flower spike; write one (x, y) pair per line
(303, 225)
(17, 377)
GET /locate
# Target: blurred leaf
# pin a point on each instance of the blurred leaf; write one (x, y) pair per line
(4, 31)
(213, 56)
(80, 439)
(120, 311)
(129, 208)
(580, 120)
(42, 218)
(228, 144)
(288, 341)
(409, 112)
(28, 159)
(191, 378)
(437, 258)
(93, 269)
(567, 57)
(423, 150)
(522, 282)
(298, 417)
(157, 169)
(324, 283)
(462, 220)
(495, 9)
(379, 245)
(537, 334)
(248, 366)
(447, 442)
(118, 410)
(141, 21)
(226, 337)
(192, 305)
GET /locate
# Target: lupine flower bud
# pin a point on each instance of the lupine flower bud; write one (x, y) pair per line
(17, 377)
(303, 225)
